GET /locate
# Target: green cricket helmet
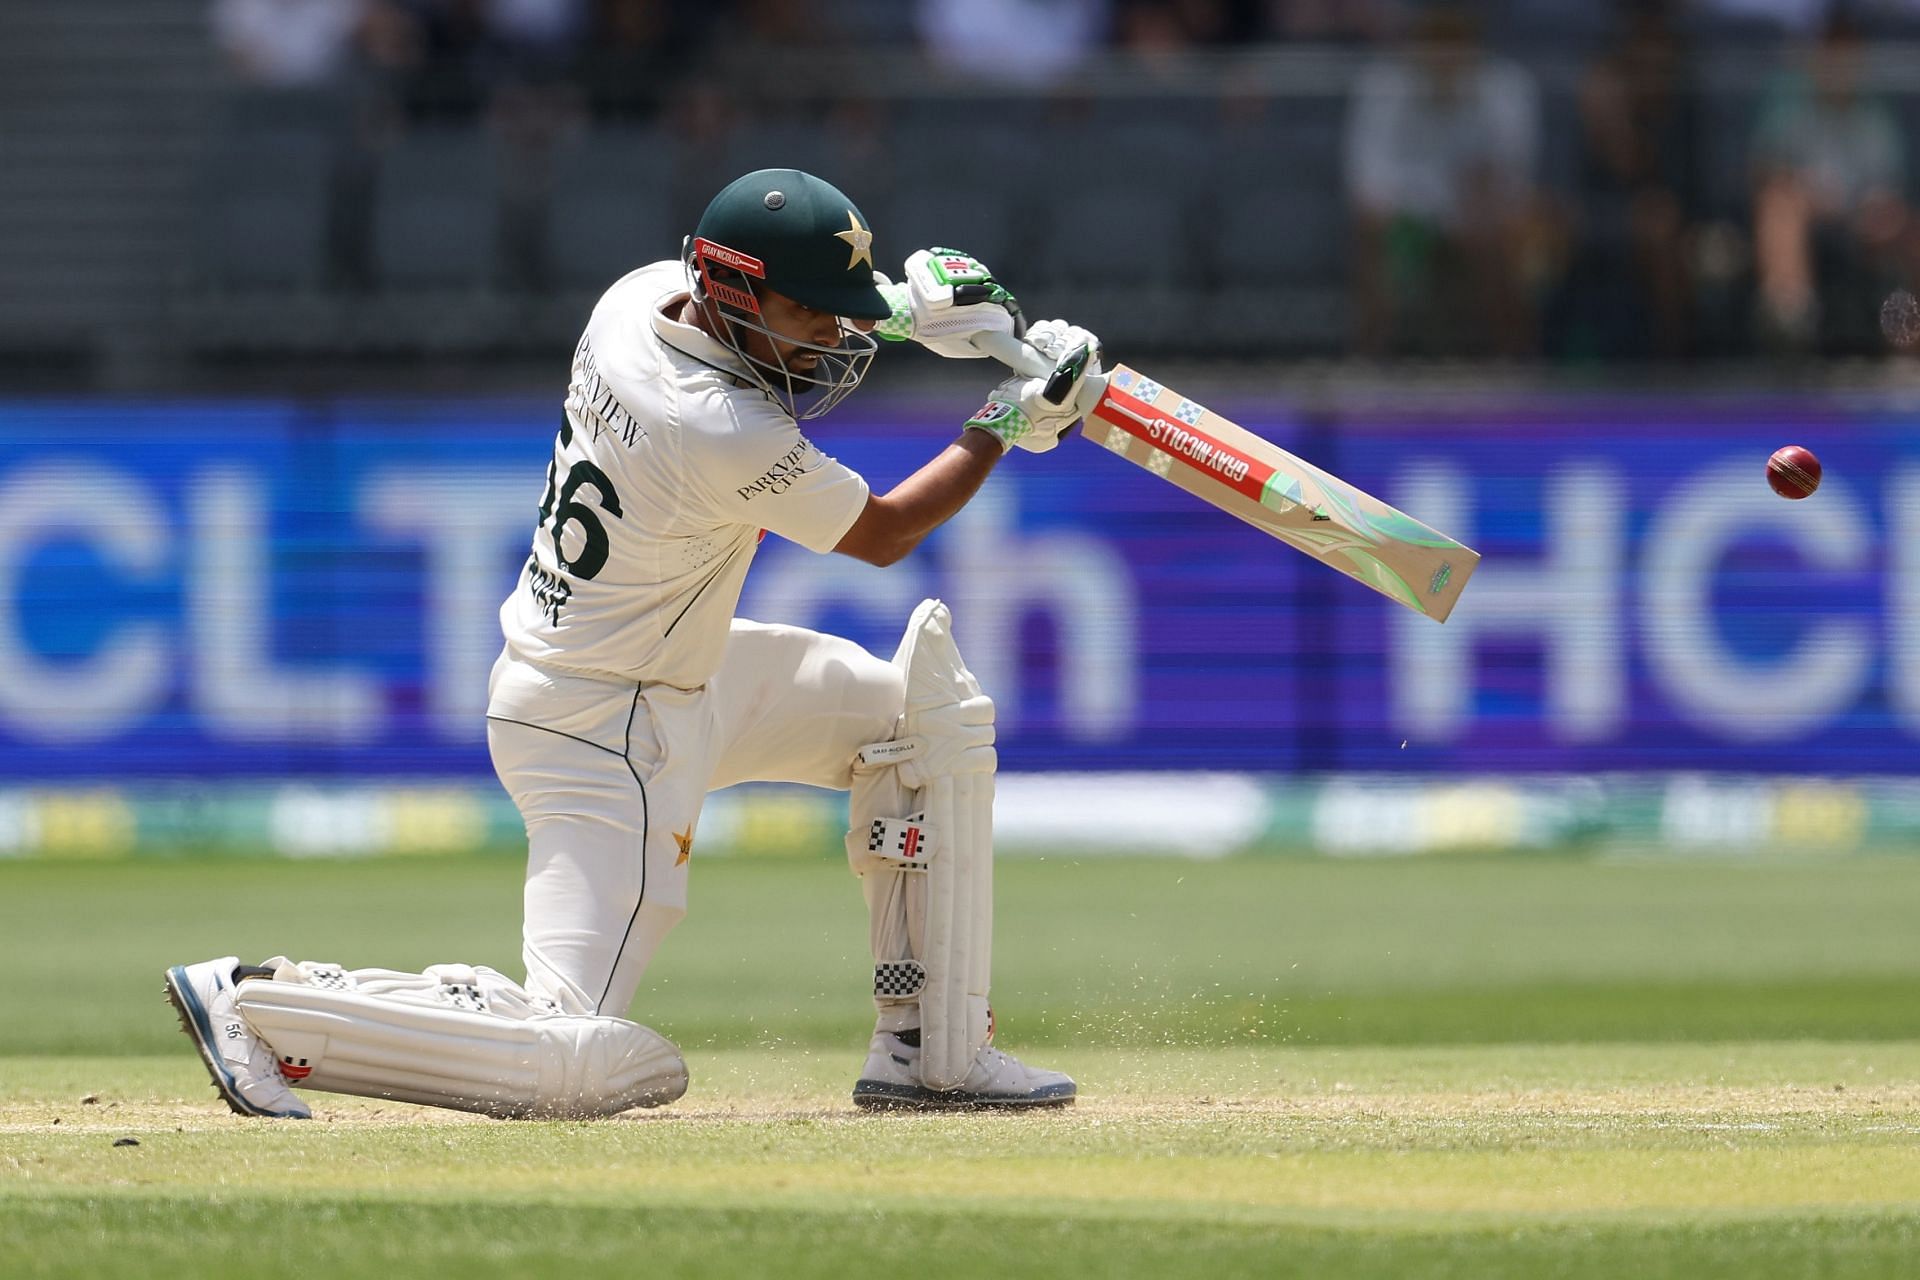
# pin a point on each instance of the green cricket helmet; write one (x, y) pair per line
(795, 234)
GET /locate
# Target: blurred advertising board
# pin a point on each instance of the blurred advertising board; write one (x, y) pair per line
(1202, 816)
(278, 589)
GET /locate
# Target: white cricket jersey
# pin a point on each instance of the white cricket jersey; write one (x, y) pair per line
(667, 467)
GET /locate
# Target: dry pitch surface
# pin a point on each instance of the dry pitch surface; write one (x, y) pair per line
(1695, 1160)
(1482, 1068)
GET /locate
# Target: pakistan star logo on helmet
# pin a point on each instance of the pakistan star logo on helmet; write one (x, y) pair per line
(860, 239)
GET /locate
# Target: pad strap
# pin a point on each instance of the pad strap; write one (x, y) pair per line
(903, 841)
(898, 979)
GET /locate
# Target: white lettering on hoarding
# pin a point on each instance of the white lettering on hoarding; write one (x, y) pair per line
(237, 688)
(95, 696)
(122, 660)
(1572, 598)
(467, 521)
(1734, 697)
(999, 576)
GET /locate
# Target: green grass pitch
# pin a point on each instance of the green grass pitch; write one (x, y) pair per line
(1466, 1067)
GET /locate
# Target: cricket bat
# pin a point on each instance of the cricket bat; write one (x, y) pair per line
(1221, 463)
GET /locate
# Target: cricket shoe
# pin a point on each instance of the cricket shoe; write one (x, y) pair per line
(891, 1080)
(244, 1069)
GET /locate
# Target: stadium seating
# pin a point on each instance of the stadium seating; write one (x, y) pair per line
(267, 191)
(437, 207)
(611, 207)
(154, 201)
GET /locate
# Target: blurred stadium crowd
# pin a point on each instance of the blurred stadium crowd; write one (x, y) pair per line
(1562, 181)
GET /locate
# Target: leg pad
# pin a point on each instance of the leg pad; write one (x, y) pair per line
(456, 1036)
(922, 843)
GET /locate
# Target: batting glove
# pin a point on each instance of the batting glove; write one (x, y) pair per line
(1019, 412)
(944, 298)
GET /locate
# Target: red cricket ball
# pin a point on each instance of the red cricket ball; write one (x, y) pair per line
(1793, 471)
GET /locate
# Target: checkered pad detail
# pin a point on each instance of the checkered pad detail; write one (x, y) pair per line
(463, 995)
(1147, 391)
(1160, 462)
(903, 840)
(898, 978)
(1189, 412)
(330, 977)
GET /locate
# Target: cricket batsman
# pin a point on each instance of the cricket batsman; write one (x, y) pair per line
(627, 690)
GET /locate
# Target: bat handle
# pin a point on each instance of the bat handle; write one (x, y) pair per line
(1027, 360)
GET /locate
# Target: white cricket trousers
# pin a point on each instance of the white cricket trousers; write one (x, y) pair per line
(610, 777)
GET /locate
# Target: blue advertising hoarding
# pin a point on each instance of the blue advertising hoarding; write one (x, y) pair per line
(282, 588)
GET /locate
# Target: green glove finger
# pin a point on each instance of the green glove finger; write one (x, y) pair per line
(897, 327)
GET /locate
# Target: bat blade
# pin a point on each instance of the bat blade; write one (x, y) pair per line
(1229, 467)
